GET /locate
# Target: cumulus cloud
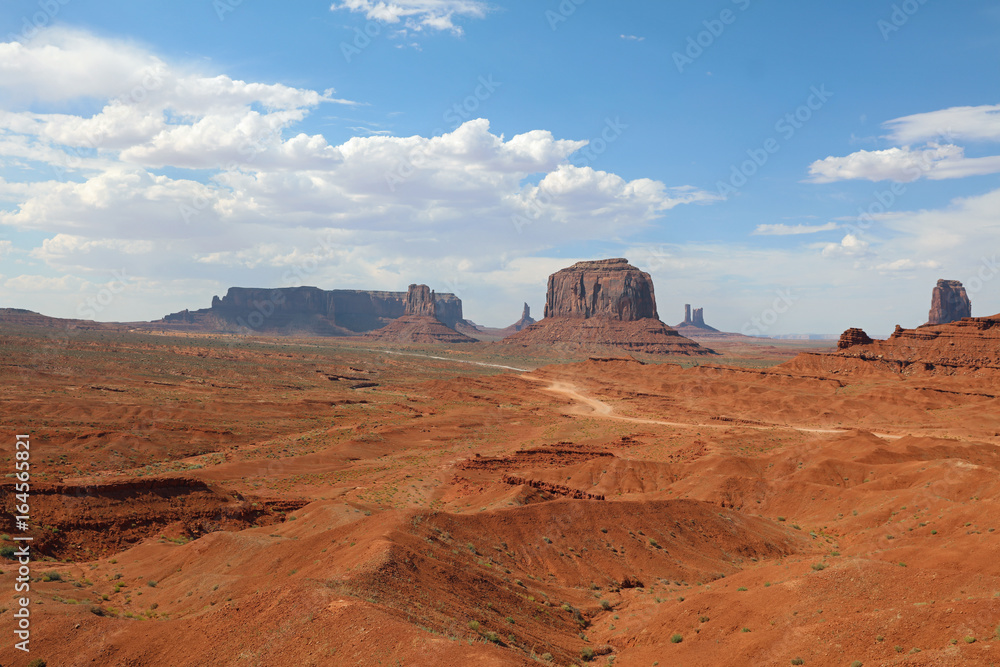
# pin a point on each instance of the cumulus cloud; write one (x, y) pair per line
(849, 246)
(903, 165)
(152, 113)
(272, 206)
(418, 14)
(938, 157)
(780, 229)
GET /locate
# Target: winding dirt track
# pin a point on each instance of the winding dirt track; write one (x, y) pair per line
(593, 407)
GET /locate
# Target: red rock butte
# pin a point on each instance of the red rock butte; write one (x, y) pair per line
(949, 303)
(604, 302)
(419, 323)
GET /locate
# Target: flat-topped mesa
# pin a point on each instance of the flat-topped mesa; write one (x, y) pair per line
(310, 310)
(852, 337)
(610, 289)
(420, 300)
(949, 303)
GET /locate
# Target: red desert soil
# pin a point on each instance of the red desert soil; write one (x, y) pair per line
(214, 500)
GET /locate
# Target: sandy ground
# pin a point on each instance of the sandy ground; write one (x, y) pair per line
(201, 500)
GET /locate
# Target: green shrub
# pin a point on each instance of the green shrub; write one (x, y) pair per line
(492, 637)
(51, 576)
(151, 583)
(474, 626)
(857, 663)
(547, 657)
(798, 661)
(676, 639)
(587, 653)
(37, 662)
(8, 552)
(605, 605)
(819, 566)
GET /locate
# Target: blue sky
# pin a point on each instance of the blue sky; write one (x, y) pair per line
(839, 156)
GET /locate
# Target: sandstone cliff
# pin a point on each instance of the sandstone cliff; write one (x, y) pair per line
(852, 337)
(308, 310)
(970, 346)
(611, 289)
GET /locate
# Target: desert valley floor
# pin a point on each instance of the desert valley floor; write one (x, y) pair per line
(212, 499)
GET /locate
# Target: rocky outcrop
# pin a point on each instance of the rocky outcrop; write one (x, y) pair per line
(611, 289)
(422, 329)
(949, 303)
(695, 323)
(604, 303)
(525, 321)
(493, 334)
(420, 301)
(853, 337)
(970, 346)
(310, 310)
(419, 324)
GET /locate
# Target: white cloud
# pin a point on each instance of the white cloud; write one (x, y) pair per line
(633, 38)
(788, 230)
(154, 114)
(934, 160)
(903, 165)
(59, 64)
(981, 123)
(418, 14)
(42, 284)
(900, 265)
(849, 246)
